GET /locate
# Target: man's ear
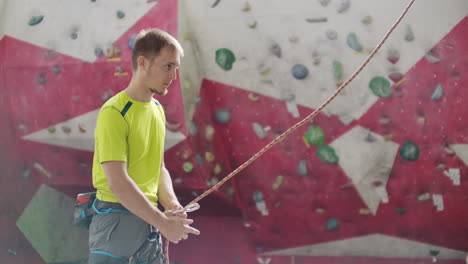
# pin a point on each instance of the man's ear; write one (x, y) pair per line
(142, 62)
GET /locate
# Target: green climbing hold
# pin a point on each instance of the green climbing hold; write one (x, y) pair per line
(327, 154)
(41, 80)
(332, 224)
(314, 136)
(337, 70)
(380, 87)
(409, 151)
(400, 211)
(278, 182)
(35, 20)
(120, 14)
(188, 167)
(225, 58)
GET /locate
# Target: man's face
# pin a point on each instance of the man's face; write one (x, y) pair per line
(162, 71)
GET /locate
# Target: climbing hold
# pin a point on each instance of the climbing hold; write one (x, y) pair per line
(66, 129)
(314, 136)
(259, 202)
(317, 20)
(131, 40)
(299, 71)
(393, 56)
(278, 182)
(22, 128)
(364, 211)
(400, 211)
(209, 132)
(293, 39)
(185, 154)
(343, 5)
(395, 77)
(259, 130)
(112, 52)
(367, 20)
(98, 52)
(353, 42)
(327, 154)
(25, 173)
(337, 70)
(120, 14)
(41, 80)
(302, 168)
(331, 34)
(332, 224)
(74, 34)
(432, 56)
(384, 121)
(246, 7)
(409, 35)
(213, 181)
(215, 3)
(324, 2)
(35, 20)
(276, 50)
(223, 116)
(209, 156)
(217, 169)
(173, 126)
(380, 87)
(56, 70)
(409, 151)
(192, 128)
(424, 197)
(51, 129)
(319, 211)
(253, 97)
(437, 93)
(76, 98)
(252, 24)
(225, 58)
(12, 252)
(188, 167)
(199, 159)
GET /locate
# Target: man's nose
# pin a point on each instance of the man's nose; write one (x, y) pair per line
(173, 75)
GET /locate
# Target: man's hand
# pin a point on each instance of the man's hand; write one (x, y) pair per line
(172, 207)
(176, 228)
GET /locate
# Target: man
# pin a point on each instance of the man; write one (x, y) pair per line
(128, 169)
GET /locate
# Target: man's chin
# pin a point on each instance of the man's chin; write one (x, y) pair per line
(163, 92)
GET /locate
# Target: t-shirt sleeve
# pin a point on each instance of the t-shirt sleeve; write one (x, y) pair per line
(111, 135)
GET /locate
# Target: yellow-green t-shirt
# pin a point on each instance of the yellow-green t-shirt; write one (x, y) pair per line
(134, 132)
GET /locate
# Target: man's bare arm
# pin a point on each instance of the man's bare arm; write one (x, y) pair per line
(130, 196)
(166, 194)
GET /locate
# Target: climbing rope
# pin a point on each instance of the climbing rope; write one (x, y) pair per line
(299, 124)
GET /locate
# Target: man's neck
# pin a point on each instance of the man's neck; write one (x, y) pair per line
(137, 92)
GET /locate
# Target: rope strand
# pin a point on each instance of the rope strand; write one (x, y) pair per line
(300, 123)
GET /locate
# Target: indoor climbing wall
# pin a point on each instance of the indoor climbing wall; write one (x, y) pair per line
(380, 176)
(382, 171)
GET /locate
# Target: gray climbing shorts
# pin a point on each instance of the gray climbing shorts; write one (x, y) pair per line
(117, 236)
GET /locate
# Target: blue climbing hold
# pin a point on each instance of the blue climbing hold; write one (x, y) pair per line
(131, 41)
(223, 116)
(300, 71)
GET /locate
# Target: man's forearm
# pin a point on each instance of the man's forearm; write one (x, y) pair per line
(166, 194)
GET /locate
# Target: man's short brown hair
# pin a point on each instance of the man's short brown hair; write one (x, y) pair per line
(149, 44)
